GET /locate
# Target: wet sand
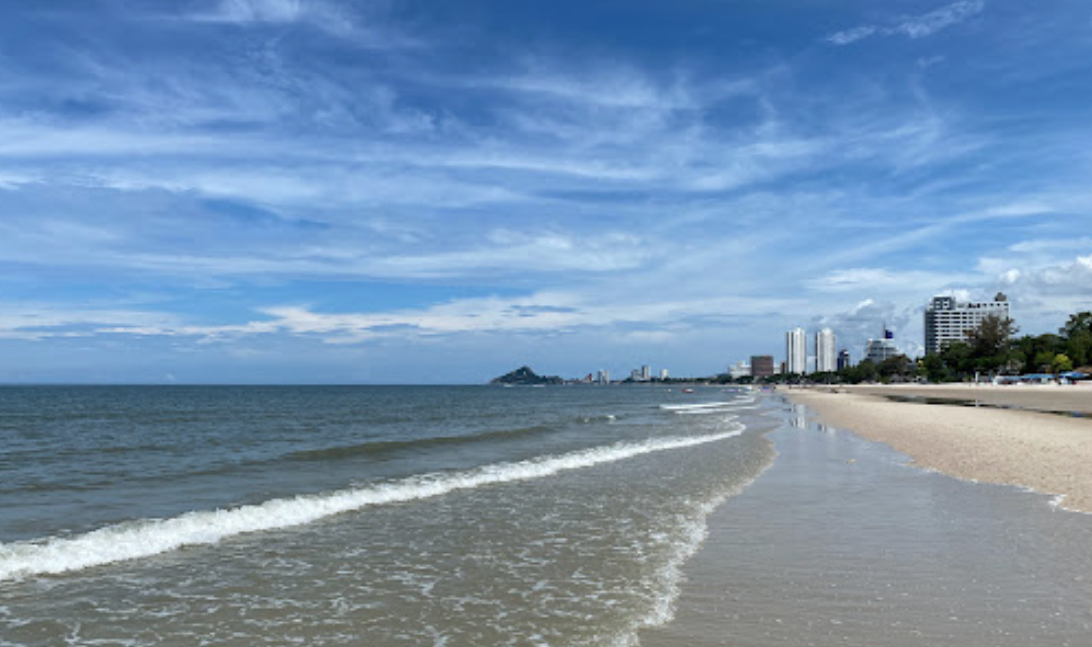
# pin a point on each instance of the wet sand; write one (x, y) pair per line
(1046, 452)
(841, 542)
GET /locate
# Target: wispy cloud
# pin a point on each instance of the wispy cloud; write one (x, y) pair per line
(934, 21)
(286, 175)
(39, 320)
(243, 12)
(918, 26)
(849, 36)
(892, 283)
(553, 312)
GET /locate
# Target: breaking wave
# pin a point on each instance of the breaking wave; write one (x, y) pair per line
(148, 537)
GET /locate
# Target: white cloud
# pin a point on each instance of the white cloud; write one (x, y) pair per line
(645, 316)
(320, 14)
(890, 283)
(35, 321)
(868, 320)
(1051, 247)
(1043, 292)
(918, 26)
(934, 21)
(927, 62)
(851, 35)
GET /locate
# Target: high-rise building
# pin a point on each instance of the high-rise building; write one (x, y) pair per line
(877, 350)
(825, 359)
(947, 320)
(663, 374)
(796, 353)
(762, 366)
(646, 373)
(844, 360)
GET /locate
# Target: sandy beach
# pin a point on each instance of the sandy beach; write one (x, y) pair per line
(1027, 447)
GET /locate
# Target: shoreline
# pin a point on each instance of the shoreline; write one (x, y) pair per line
(837, 543)
(1017, 439)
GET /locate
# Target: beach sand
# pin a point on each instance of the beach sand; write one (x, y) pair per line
(1046, 397)
(1046, 452)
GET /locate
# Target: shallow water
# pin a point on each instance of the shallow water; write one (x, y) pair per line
(408, 516)
(841, 542)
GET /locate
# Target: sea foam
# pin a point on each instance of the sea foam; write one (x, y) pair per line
(148, 537)
(707, 407)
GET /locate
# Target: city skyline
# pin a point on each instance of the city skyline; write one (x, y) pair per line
(257, 191)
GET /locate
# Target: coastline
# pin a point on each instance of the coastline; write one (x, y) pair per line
(838, 543)
(1024, 447)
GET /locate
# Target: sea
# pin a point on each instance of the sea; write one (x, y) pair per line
(484, 515)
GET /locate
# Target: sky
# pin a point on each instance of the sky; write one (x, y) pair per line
(407, 191)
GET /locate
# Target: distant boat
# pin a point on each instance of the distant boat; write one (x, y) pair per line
(688, 390)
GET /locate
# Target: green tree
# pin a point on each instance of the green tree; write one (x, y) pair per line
(897, 367)
(990, 342)
(933, 368)
(1080, 322)
(1039, 351)
(1061, 364)
(958, 357)
(1044, 361)
(865, 371)
(1079, 348)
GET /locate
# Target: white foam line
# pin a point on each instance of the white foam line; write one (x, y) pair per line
(148, 537)
(670, 575)
(704, 405)
(705, 412)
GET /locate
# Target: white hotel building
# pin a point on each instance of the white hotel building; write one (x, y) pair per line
(796, 354)
(947, 320)
(826, 357)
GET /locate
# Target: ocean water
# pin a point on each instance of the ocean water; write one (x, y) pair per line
(560, 516)
(360, 515)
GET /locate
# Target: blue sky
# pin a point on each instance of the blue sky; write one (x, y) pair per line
(437, 192)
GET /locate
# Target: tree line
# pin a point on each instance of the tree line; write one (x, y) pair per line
(988, 350)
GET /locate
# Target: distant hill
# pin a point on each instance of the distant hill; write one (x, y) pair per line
(525, 376)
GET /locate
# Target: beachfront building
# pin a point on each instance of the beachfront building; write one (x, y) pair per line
(877, 350)
(947, 320)
(796, 353)
(739, 369)
(762, 366)
(844, 360)
(663, 374)
(825, 359)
